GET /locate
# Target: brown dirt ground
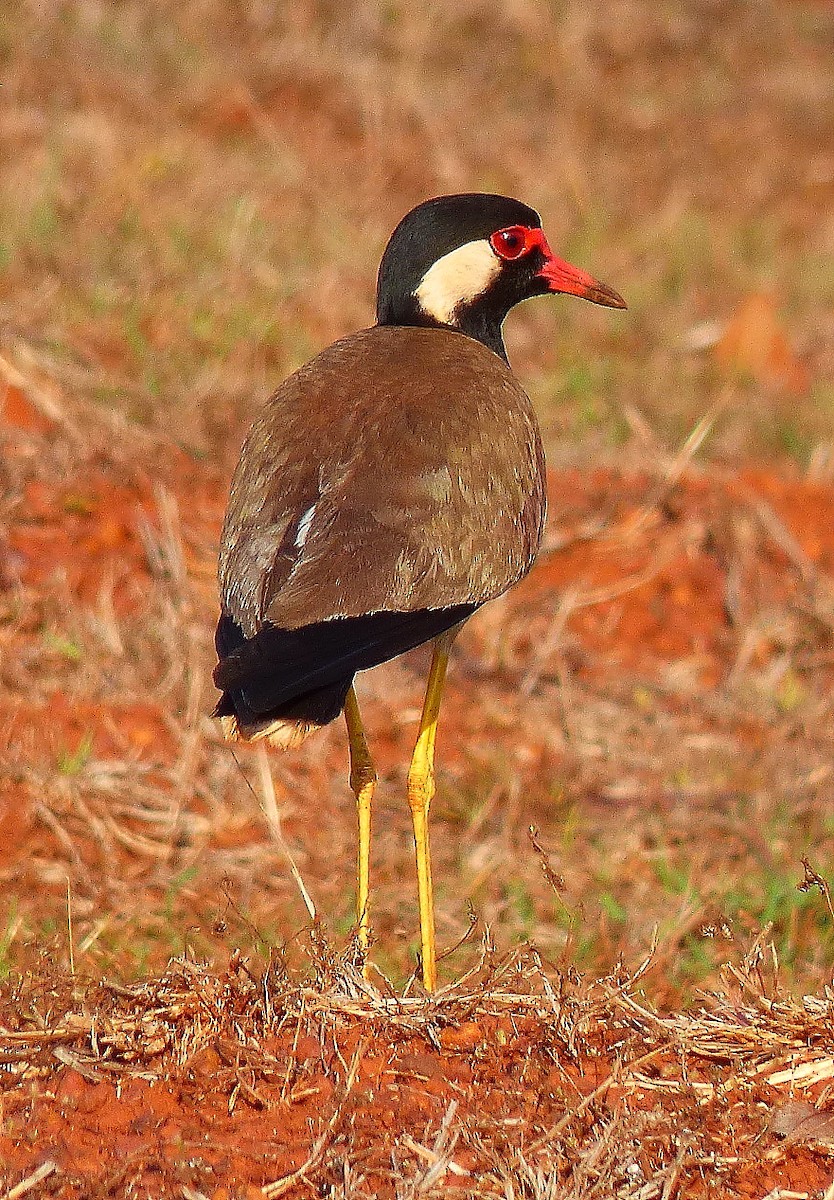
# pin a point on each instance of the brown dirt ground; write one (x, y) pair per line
(225, 1084)
(192, 197)
(285, 1072)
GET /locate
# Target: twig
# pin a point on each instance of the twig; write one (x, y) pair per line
(680, 462)
(69, 928)
(439, 1156)
(269, 805)
(280, 1186)
(557, 882)
(556, 1130)
(474, 921)
(814, 879)
(42, 401)
(780, 535)
(26, 1185)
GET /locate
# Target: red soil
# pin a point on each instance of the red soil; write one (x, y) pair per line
(225, 1113)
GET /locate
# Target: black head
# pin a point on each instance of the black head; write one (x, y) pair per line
(463, 262)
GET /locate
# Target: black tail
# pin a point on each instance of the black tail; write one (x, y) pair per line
(319, 707)
(304, 674)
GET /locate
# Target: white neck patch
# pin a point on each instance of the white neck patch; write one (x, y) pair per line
(456, 279)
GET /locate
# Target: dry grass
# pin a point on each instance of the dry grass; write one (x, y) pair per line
(192, 201)
(564, 707)
(597, 1090)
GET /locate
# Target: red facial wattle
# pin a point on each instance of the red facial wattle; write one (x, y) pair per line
(517, 241)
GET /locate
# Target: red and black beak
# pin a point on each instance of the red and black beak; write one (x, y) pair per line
(560, 276)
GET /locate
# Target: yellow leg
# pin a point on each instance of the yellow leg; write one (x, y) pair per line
(420, 792)
(363, 782)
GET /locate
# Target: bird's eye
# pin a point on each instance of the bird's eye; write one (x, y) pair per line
(511, 243)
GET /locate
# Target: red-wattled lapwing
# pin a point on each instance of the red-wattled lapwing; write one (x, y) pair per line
(389, 488)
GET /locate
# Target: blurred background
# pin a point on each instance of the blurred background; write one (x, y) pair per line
(193, 201)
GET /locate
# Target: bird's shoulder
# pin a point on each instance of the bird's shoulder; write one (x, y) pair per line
(383, 370)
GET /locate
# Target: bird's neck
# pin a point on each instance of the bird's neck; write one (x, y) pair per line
(484, 329)
(474, 321)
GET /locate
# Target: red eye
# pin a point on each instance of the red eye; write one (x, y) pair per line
(513, 242)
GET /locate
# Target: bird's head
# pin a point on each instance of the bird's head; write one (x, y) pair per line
(464, 261)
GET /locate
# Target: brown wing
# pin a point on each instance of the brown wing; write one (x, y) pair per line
(400, 470)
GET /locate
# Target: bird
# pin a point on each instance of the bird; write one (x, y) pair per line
(388, 489)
